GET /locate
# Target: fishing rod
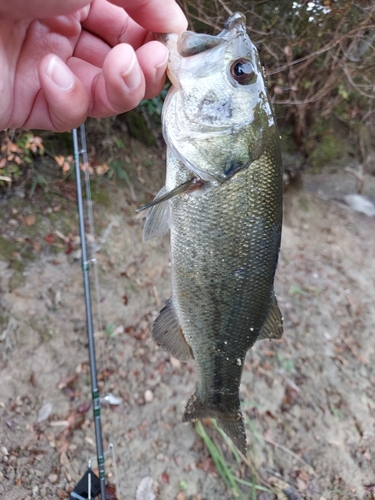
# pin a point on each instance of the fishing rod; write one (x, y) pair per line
(90, 485)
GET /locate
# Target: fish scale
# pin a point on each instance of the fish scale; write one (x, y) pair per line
(222, 202)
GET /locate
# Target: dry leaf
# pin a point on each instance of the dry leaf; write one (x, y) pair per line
(278, 483)
(32, 379)
(50, 238)
(111, 493)
(34, 143)
(144, 490)
(90, 441)
(367, 455)
(65, 167)
(53, 478)
(59, 159)
(84, 407)
(37, 246)
(303, 475)
(101, 169)
(165, 477)
(13, 148)
(207, 465)
(45, 412)
(87, 166)
(302, 485)
(61, 493)
(175, 362)
(64, 460)
(292, 493)
(30, 220)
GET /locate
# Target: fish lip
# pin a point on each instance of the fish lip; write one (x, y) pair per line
(235, 20)
(162, 37)
(189, 43)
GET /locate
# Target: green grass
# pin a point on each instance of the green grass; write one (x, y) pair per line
(243, 489)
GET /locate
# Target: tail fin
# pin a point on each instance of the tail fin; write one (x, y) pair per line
(231, 422)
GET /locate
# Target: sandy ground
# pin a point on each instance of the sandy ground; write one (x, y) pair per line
(308, 399)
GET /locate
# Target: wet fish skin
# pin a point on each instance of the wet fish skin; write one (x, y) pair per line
(225, 235)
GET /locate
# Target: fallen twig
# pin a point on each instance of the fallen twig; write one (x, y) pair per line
(290, 452)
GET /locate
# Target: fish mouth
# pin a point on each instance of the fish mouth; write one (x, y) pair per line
(190, 43)
(234, 21)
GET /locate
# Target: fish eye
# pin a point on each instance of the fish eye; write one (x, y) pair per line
(242, 71)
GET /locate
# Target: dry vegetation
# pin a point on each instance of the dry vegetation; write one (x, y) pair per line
(320, 59)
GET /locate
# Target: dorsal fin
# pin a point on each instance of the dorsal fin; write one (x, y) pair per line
(167, 333)
(273, 326)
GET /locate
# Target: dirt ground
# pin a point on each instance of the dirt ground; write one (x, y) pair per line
(309, 398)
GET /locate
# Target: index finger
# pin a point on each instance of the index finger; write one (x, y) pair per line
(159, 16)
(113, 25)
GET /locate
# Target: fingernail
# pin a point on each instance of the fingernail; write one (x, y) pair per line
(132, 76)
(160, 68)
(60, 74)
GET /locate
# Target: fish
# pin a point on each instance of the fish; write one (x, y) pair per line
(222, 203)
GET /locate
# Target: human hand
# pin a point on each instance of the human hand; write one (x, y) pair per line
(65, 60)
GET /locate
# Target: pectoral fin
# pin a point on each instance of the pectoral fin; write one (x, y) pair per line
(157, 219)
(273, 326)
(167, 333)
(162, 196)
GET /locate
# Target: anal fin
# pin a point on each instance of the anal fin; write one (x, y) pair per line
(273, 326)
(167, 333)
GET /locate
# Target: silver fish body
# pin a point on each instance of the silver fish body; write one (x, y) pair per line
(223, 205)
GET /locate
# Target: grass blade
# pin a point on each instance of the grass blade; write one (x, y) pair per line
(219, 461)
(226, 471)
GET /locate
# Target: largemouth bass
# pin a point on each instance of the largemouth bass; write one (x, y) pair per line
(222, 203)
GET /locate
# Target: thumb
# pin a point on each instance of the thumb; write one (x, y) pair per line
(66, 98)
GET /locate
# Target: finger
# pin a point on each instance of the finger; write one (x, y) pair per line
(153, 59)
(41, 40)
(92, 49)
(159, 16)
(118, 88)
(38, 9)
(113, 24)
(63, 102)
